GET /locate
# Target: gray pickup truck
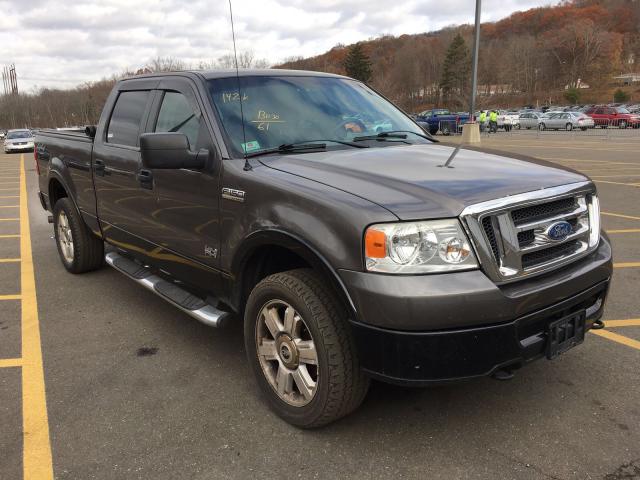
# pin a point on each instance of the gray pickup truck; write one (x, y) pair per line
(350, 242)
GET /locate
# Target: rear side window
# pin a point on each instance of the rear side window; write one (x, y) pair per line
(126, 118)
(177, 115)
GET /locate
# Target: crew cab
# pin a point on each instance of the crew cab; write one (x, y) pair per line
(350, 250)
(442, 120)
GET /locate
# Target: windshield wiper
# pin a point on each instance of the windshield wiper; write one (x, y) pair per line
(393, 134)
(289, 148)
(301, 147)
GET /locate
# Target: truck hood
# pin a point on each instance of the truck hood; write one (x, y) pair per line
(410, 182)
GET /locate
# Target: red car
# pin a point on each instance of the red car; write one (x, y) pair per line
(613, 116)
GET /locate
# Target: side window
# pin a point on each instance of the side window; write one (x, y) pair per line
(126, 118)
(177, 115)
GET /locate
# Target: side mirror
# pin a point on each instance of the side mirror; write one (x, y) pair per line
(169, 150)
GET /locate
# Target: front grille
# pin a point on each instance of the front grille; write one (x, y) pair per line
(544, 210)
(526, 238)
(491, 236)
(549, 254)
(512, 235)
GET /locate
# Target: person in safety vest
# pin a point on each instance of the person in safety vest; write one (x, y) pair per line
(483, 119)
(493, 121)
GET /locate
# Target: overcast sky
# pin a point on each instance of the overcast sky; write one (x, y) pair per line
(62, 43)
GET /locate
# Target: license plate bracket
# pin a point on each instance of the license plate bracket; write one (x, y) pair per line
(565, 333)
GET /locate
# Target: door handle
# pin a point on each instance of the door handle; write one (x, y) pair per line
(98, 166)
(145, 178)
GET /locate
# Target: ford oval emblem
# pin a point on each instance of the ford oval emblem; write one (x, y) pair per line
(559, 231)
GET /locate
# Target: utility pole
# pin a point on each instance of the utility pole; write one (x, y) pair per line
(10, 80)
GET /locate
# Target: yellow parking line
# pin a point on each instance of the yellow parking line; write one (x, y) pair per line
(628, 230)
(2, 176)
(632, 322)
(10, 362)
(619, 183)
(10, 236)
(10, 297)
(9, 260)
(630, 342)
(616, 176)
(610, 214)
(35, 423)
(626, 265)
(9, 206)
(9, 196)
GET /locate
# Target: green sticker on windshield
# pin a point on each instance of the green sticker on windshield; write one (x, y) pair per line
(250, 146)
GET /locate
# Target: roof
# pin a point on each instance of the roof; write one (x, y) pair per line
(243, 72)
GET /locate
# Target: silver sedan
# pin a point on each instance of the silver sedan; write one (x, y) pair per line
(566, 121)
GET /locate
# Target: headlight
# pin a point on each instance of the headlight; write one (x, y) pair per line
(418, 247)
(594, 221)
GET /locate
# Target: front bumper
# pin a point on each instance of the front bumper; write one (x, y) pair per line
(8, 147)
(438, 328)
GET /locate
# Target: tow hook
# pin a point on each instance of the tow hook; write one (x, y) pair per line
(597, 325)
(503, 374)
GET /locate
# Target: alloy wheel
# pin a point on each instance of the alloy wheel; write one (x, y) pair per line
(287, 353)
(65, 237)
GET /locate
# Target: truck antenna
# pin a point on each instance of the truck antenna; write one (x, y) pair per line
(247, 165)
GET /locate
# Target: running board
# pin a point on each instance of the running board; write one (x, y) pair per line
(185, 301)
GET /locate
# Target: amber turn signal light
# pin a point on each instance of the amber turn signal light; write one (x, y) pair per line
(375, 244)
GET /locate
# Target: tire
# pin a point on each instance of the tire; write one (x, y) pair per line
(623, 124)
(433, 131)
(86, 251)
(568, 127)
(340, 386)
(445, 131)
(542, 126)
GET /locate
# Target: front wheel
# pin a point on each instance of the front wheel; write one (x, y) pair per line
(300, 348)
(569, 127)
(623, 124)
(79, 249)
(542, 126)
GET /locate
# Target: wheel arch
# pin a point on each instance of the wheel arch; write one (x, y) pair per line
(271, 251)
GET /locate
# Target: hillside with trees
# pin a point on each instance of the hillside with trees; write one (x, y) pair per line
(535, 56)
(542, 55)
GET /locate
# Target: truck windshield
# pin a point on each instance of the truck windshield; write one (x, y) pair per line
(282, 110)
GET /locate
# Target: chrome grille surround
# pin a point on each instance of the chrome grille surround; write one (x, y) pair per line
(494, 234)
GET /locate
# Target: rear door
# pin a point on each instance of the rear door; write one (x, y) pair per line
(187, 213)
(124, 207)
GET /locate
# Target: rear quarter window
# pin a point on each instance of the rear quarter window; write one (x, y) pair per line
(126, 118)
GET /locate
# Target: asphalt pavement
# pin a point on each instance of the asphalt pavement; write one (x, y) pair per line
(135, 389)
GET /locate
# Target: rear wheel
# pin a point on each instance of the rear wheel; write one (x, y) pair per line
(79, 249)
(569, 127)
(542, 126)
(300, 348)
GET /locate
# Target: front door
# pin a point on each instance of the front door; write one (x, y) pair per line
(187, 212)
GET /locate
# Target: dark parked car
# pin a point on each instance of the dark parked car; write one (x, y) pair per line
(348, 253)
(441, 120)
(613, 117)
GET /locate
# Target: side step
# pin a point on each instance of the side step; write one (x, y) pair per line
(185, 301)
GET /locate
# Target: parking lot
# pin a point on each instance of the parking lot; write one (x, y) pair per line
(136, 389)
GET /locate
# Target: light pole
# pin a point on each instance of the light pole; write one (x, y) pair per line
(474, 69)
(471, 129)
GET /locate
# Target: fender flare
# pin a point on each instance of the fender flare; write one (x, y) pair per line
(298, 246)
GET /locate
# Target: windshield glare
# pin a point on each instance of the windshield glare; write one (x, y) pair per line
(22, 134)
(290, 109)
